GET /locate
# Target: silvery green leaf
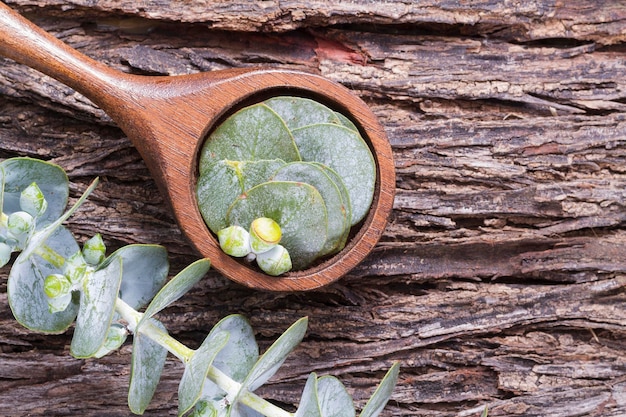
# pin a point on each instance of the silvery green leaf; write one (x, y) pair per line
(309, 402)
(221, 182)
(313, 174)
(40, 236)
(253, 133)
(345, 198)
(298, 208)
(145, 269)
(115, 338)
(97, 305)
(346, 152)
(241, 352)
(382, 394)
(50, 178)
(333, 398)
(176, 288)
(196, 370)
(298, 111)
(33, 201)
(5, 254)
(26, 295)
(147, 364)
(346, 122)
(275, 355)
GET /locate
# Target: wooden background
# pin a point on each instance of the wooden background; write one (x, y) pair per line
(501, 277)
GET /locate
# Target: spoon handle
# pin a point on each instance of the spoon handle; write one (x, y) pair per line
(27, 44)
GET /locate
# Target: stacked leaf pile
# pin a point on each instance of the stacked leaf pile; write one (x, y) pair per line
(292, 160)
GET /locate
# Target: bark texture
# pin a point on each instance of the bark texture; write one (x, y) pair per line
(500, 280)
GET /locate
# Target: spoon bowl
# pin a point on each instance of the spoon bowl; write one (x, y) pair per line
(168, 118)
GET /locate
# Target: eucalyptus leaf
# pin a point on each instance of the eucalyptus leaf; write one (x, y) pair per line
(145, 269)
(223, 181)
(26, 295)
(345, 198)
(333, 398)
(309, 402)
(382, 394)
(275, 355)
(50, 178)
(196, 370)
(298, 208)
(314, 174)
(346, 152)
(299, 111)
(253, 133)
(147, 364)
(97, 305)
(241, 352)
(176, 287)
(346, 122)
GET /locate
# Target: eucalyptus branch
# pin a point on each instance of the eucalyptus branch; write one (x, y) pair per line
(54, 282)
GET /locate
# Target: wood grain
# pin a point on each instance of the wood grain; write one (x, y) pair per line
(500, 279)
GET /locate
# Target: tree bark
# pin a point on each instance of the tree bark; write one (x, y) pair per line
(500, 280)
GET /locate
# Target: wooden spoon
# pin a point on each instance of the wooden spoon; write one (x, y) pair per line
(168, 118)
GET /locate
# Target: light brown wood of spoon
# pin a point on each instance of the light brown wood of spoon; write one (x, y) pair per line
(168, 118)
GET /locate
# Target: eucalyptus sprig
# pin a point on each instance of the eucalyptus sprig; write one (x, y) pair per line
(54, 282)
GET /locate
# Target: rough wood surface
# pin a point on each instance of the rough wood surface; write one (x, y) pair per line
(501, 277)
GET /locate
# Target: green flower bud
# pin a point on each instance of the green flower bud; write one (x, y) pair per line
(56, 285)
(94, 250)
(274, 262)
(265, 234)
(203, 408)
(234, 241)
(33, 201)
(5, 254)
(20, 224)
(75, 268)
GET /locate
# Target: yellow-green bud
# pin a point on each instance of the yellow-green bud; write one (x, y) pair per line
(274, 262)
(33, 201)
(94, 250)
(234, 241)
(56, 285)
(265, 234)
(116, 336)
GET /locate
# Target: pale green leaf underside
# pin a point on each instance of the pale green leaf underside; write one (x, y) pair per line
(334, 400)
(298, 111)
(309, 402)
(241, 352)
(97, 305)
(298, 208)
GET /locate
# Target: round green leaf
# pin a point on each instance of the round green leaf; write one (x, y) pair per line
(298, 111)
(19, 173)
(223, 181)
(346, 122)
(253, 133)
(345, 198)
(314, 175)
(26, 295)
(145, 269)
(309, 402)
(298, 208)
(346, 152)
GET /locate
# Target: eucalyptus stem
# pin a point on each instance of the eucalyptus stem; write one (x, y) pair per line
(50, 255)
(182, 352)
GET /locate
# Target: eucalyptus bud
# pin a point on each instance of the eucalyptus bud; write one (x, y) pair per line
(33, 201)
(94, 250)
(234, 241)
(5, 254)
(20, 224)
(75, 268)
(56, 285)
(274, 262)
(265, 234)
